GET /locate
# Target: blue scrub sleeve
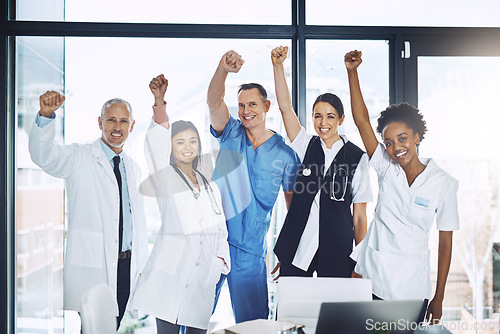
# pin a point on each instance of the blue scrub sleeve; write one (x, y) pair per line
(290, 173)
(233, 129)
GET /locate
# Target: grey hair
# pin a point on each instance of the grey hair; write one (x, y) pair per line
(109, 103)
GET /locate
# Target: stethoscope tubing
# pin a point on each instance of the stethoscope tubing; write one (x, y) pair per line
(338, 167)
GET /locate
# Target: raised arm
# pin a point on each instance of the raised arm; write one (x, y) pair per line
(219, 113)
(292, 125)
(359, 111)
(56, 160)
(157, 145)
(158, 87)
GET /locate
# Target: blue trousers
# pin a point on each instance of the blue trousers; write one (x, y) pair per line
(247, 283)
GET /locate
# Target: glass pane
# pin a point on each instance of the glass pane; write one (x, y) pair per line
(45, 10)
(40, 198)
(97, 69)
(446, 13)
(458, 97)
(158, 11)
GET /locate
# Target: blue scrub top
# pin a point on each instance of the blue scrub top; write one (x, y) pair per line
(249, 180)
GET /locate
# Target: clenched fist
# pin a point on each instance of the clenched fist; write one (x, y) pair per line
(50, 101)
(278, 54)
(158, 87)
(352, 60)
(231, 62)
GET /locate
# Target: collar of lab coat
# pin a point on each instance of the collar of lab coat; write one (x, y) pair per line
(102, 159)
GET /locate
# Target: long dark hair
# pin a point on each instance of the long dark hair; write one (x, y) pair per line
(180, 126)
(332, 100)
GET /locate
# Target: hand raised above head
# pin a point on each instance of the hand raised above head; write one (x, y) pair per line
(158, 86)
(231, 62)
(352, 59)
(50, 101)
(278, 54)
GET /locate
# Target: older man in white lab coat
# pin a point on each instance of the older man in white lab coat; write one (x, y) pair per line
(107, 237)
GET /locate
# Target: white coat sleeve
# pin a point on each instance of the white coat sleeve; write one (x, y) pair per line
(56, 160)
(157, 147)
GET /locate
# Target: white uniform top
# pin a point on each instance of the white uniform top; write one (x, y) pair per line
(395, 252)
(361, 193)
(179, 279)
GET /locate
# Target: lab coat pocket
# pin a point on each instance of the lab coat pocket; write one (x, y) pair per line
(169, 253)
(87, 249)
(213, 275)
(397, 276)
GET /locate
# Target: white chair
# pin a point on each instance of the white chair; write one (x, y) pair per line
(300, 298)
(98, 311)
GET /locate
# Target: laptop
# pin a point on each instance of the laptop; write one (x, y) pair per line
(300, 298)
(395, 317)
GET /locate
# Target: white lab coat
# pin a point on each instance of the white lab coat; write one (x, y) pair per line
(178, 282)
(395, 253)
(93, 213)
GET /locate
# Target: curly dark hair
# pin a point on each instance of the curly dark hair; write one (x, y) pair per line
(405, 113)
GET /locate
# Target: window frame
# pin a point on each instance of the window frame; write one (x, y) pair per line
(402, 81)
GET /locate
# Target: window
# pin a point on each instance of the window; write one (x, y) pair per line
(153, 11)
(89, 64)
(423, 13)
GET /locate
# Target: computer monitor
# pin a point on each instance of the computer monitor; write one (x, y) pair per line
(401, 317)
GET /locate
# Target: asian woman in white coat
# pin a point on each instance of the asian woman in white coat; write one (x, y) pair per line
(191, 251)
(412, 192)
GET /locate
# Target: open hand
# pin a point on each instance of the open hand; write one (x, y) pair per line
(434, 312)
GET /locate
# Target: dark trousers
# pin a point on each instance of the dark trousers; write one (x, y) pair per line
(123, 288)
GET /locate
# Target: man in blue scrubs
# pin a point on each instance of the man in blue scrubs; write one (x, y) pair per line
(252, 164)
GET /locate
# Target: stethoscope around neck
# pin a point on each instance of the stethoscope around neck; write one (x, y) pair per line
(338, 168)
(207, 187)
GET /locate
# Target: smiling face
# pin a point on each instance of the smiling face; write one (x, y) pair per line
(115, 125)
(252, 108)
(185, 146)
(401, 143)
(326, 122)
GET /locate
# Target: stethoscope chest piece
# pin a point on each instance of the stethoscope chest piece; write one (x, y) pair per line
(306, 172)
